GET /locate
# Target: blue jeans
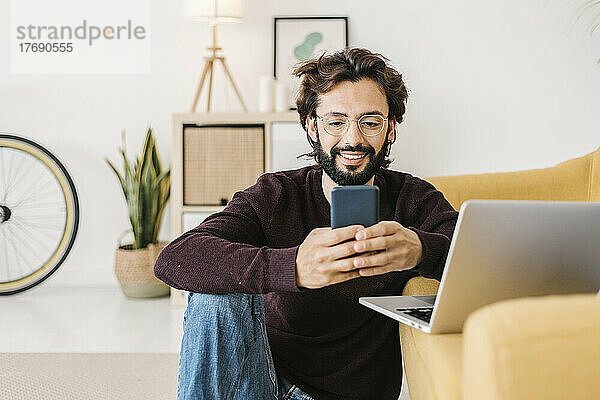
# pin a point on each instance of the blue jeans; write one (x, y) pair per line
(225, 352)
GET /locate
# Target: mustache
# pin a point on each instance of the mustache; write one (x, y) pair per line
(362, 149)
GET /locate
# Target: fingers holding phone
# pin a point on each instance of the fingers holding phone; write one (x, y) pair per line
(326, 257)
(330, 255)
(398, 249)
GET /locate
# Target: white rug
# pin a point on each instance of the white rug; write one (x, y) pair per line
(92, 376)
(89, 376)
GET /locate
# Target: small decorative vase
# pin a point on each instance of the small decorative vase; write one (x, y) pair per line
(135, 271)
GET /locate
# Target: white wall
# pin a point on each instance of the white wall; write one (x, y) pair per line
(494, 86)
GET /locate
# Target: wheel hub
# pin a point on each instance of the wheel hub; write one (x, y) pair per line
(4, 214)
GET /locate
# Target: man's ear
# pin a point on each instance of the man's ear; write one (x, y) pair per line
(311, 127)
(391, 133)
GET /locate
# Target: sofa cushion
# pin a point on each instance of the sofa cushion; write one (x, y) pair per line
(435, 364)
(573, 180)
(543, 347)
(435, 360)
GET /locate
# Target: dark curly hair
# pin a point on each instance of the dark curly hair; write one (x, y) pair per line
(321, 74)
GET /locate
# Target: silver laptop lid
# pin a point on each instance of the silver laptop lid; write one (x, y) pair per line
(505, 249)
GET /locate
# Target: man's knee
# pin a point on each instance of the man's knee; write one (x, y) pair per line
(218, 309)
(222, 325)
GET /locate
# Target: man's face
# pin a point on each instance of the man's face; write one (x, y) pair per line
(351, 99)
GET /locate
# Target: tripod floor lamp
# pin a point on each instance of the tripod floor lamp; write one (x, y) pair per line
(213, 12)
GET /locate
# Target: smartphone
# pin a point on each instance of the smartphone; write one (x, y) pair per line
(354, 205)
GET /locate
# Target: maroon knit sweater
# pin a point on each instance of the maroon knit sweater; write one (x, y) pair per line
(321, 339)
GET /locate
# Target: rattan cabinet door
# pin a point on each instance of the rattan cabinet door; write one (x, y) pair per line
(221, 160)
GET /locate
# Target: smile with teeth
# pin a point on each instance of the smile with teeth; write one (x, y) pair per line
(352, 156)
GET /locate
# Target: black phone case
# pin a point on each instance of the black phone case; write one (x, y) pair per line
(354, 205)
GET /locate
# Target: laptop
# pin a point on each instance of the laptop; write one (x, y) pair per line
(504, 249)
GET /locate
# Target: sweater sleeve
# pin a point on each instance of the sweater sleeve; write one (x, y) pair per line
(434, 222)
(227, 253)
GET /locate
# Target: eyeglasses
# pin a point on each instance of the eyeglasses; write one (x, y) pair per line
(369, 124)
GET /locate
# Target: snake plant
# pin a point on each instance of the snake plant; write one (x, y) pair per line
(146, 188)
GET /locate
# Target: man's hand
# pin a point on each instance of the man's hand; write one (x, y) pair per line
(319, 260)
(400, 248)
(328, 256)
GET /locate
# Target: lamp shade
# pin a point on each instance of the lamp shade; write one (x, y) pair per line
(214, 11)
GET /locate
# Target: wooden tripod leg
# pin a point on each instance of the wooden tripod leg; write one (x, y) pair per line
(210, 81)
(233, 84)
(207, 65)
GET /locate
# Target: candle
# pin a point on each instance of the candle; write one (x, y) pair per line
(265, 94)
(281, 97)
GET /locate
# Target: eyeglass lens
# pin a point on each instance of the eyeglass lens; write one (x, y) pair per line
(369, 125)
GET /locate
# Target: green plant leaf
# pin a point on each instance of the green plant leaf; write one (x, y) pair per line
(121, 181)
(147, 189)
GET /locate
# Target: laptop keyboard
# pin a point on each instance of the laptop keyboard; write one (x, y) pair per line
(423, 313)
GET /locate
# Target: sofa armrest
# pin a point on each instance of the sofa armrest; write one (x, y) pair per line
(420, 286)
(538, 347)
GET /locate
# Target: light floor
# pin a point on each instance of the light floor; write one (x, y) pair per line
(49, 319)
(95, 319)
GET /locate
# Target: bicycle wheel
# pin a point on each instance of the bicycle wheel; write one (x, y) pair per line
(39, 214)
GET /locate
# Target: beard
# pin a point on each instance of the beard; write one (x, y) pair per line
(347, 176)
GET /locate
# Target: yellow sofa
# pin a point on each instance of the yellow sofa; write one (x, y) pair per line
(527, 348)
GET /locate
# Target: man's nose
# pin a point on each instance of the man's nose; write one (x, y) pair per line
(353, 135)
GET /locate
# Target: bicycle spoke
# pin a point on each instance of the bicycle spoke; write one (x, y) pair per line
(55, 214)
(24, 263)
(40, 218)
(4, 241)
(31, 188)
(34, 194)
(3, 175)
(38, 206)
(15, 178)
(20, 271)
(29, 232)
(25, 243)
(44, 213)
(44, 228)
(17, 253)
(50, 247)
(12, 155)
(38, 196)
(31, 197)
(53, 233)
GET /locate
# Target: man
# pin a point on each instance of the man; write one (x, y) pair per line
(310, 339)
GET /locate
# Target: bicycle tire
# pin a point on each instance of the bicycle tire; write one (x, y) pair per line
(69, 191)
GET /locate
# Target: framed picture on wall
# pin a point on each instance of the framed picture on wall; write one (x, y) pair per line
(296, 39)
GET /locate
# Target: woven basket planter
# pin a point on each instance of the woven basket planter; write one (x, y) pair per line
(135, 271)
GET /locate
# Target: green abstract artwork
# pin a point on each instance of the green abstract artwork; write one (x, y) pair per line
(306, 49)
